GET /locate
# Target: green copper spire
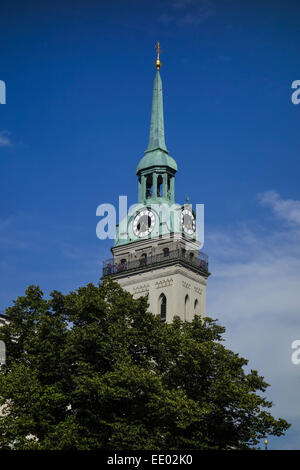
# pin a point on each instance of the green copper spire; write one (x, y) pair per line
(157, 131)
(156, 170)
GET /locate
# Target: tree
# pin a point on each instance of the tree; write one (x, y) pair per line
(95, 370)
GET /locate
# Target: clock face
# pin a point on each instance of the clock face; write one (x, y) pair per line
(188, 221)
(143, 223)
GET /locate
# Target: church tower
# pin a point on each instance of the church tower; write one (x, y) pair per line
(156, 251)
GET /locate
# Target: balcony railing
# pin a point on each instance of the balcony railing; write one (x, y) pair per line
(198, 260)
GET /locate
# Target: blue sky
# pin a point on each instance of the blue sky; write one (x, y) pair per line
(79, 79)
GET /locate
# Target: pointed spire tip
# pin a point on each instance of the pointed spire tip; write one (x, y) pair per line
(158, 63)
(157, 132)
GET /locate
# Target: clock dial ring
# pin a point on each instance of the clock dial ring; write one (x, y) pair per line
(188, 221)
(143, 223)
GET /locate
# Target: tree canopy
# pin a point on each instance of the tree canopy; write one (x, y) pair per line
(94, 369)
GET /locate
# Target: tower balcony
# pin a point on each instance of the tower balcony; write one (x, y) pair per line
(185, 258)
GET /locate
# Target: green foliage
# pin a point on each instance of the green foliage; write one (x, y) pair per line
(95, 370)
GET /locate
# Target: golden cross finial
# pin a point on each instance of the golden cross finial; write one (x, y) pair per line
(157, 47)
(158, 50)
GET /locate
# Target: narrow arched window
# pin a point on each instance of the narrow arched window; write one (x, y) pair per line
(196, 307)
(166, 252)
(123, 265)
(143, 259)
(186, 307)
(159, 186)
(169, 187)
(149, 188)
(162, 307)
